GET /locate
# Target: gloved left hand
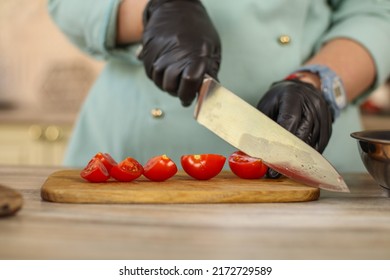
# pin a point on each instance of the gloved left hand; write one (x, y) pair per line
(301, 109)
(180, 45)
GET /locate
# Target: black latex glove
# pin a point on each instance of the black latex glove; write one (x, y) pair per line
(301, 109)
(180, 45)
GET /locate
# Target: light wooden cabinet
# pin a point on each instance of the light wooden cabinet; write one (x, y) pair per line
(42, 86)
(33, 144)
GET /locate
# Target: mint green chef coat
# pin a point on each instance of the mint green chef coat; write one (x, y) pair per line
(125, 114)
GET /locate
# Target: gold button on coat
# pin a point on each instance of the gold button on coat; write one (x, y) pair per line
(157, 113)
(284, 39)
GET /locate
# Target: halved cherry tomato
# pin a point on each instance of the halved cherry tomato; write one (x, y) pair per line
(107, 160)
(247, 167)
(95, 171)
(160, 168)
(204, 166)
(127, 170)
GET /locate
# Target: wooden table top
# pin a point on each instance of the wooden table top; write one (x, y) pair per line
(337, 226)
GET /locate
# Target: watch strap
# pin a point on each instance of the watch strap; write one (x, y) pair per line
(332, 87)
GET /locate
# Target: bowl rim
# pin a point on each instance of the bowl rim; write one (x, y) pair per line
(365, 135)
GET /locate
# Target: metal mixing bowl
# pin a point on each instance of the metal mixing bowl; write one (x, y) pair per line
(374, 148)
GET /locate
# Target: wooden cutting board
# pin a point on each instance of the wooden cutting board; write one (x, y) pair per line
(10, 201)
(68, 187)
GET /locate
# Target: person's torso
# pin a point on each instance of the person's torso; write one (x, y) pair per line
(120, 117)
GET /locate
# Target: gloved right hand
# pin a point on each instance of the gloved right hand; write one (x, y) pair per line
(301, 109)
(180, 45)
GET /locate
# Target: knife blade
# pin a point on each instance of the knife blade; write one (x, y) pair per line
(254, 133)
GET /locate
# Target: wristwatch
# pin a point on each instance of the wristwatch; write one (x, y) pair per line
(332, 87)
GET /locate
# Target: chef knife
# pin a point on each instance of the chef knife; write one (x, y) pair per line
(254, 133)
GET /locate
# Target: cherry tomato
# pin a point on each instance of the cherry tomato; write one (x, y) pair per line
(203, 167)
(107, 160)
(127, 170)
(247, 167)
(95, 171)
(160, 168)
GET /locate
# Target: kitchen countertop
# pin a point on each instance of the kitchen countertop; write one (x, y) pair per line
(376, 121)
(36, 115)
(337, 226)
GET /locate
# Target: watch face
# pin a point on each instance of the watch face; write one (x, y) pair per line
(339, 93)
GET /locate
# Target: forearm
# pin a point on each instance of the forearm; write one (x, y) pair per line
(351, 61)
(129, 21)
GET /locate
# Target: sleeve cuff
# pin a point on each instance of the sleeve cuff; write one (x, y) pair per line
(375, 40)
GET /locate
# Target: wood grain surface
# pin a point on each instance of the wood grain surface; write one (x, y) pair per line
(68, 187)
(10, 201)
(353, 225)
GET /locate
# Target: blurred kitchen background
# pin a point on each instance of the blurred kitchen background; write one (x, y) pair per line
(44, 80)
